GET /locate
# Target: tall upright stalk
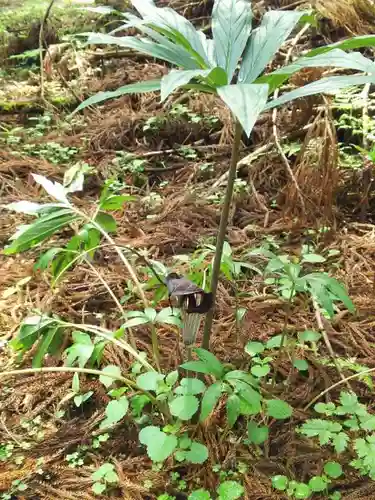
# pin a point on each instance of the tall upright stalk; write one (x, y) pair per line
(222, 232)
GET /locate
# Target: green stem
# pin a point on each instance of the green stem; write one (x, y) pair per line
(222, 232)
(284, 334)
(155, 347)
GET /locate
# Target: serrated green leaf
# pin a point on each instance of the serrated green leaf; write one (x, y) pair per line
(333, 469)
(197, 366)
(199, 495)
(171, 378)
(98, 488)
(260, 370)
(112, 370)
(147, 434)
(184, 443)
(190, 386)
(274, 342)
(184, 407)
(149, 381)
(230, 490)
(301, 364)
(216, 367)
(254, 348)
(233, 406)
(309, 336)
(246, 101)
(257, 434)
(197, 454)
(210, 399)
(116, 202)
(317, 484)
(340, 442)
(280, 482)
(276, 408)
(159, 445)
(115, 411)
(265, 41)
(302, 491)
(326, 408)
(81, 349)
(106, 222)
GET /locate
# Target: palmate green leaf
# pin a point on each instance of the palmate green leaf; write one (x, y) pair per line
(133, 88)
(356, 42)
(265, 41)
(177, 45)
(148, 47)
(231, 28)
(183, 30)
(177, 78)
(335, 58)
(246, 101)
(325, 85)
(39, 230)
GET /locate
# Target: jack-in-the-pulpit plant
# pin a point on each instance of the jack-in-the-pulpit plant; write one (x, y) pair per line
(231, 65)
